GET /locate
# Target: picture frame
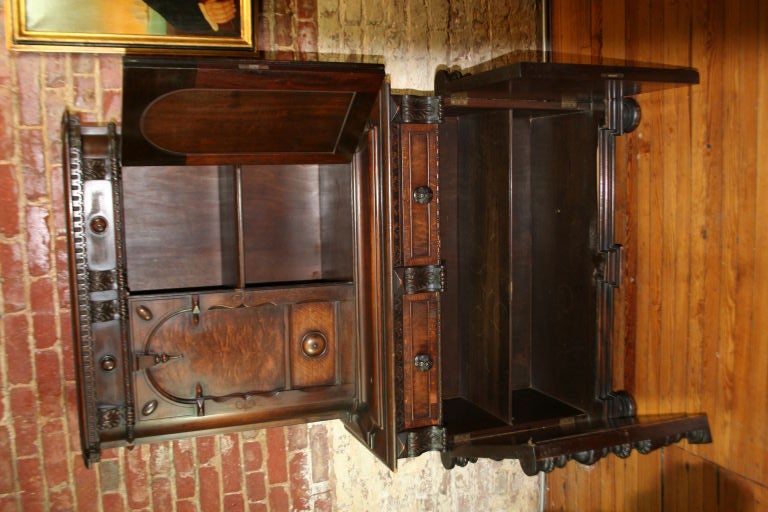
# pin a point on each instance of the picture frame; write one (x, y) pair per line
(116, 26)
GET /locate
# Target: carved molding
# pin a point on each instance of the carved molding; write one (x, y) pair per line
(104, 310)
(102, 280)
(110, 416)
(427, 278)
(415, 442)
(421, 109)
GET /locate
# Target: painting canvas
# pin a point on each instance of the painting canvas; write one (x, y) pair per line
(130, 23)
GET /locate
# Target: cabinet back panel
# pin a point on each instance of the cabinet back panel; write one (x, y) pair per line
(290, 214)
(483, 253)
(179, 227)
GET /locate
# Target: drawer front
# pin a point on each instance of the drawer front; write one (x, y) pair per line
(226, 353)
(419, 193)
(421, 357)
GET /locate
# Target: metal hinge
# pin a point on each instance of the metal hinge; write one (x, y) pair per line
(150, 359)
(427, 278)
(612, 270)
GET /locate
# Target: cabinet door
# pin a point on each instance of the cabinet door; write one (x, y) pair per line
(230, 358)
(230, 111)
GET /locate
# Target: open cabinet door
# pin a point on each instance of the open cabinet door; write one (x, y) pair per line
(372, 420)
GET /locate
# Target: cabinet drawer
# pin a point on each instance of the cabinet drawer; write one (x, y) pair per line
(421, 357)
(313, 347)
(419, 193)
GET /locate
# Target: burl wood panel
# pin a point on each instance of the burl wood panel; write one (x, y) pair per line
(421, 389)
(421, 242)
(692, 323)
(307, 319)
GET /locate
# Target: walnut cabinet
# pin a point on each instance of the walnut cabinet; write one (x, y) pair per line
(265, 243)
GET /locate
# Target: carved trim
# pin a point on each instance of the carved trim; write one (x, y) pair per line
(102, 280)
(415, 442)
(421, 109)
(110, 416)
(94, 169)
(590, 457)
(104, 310)
(81, 286)
(121, 280)
(428, 278)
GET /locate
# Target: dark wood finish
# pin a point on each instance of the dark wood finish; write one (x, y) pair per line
(419, 169)
(289, 265)
(232, 111)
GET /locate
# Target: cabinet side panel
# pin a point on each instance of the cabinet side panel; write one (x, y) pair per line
(484, 274)
(564, 248)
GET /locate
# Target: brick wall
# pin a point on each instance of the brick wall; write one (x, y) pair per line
(305, 467)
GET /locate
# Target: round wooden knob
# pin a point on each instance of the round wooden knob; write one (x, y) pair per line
(314, 344)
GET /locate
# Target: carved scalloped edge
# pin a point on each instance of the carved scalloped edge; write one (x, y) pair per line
(590, 457)
(81, 278)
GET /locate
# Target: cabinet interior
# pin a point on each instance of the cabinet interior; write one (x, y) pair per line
(518, 230)
(220, 227)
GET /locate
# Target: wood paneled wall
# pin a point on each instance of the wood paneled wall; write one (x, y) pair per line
(692, 196)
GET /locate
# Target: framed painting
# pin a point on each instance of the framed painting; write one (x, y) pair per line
(116, 25)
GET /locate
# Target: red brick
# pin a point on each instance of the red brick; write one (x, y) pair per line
(206, 449)
(160, 459)
(38, 240)
(7, 125)
(161, 494)
(12, 268)
(253, 455)
(17, 350)
(9, 503)
(67, 346)
(231, 467)
(24, 421)
(323, 502)
(306, 9)
(85, 92)
(318, 436)
(62, 273)
(257, 507)
(55, 453)
(265, 38)
(55, 70)
(136, 476)
(42, 295)
(83, 63)
(31, 483)
(109, 475)
(278, 500)
(49, 383)
(111, 105)
(28, 69)
(256, 486)
(113, 502)
(59, 202)
(276, 456)
(63, 499)
(234, 503)
(70, 409)
(210, 494)
(296, 435)
(186, 506)
(55, 103)
(6, 461)
(307, 40)
(184, 466)
(9, 196)
(298, 477)
(33, 164)
(283, 30)
(111, 70)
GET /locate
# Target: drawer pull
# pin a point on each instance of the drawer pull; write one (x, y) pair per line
(422, 195)
(423, 362)
(314, 344)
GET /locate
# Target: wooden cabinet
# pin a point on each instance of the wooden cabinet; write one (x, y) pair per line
(267, 243)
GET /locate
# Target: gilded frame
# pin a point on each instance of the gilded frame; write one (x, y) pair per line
(38, 25)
